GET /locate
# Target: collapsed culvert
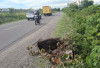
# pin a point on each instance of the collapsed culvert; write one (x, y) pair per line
(48, 45)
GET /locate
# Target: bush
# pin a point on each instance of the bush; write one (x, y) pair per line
(93, 61)
(86, 24)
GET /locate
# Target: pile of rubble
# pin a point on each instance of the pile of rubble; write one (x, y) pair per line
(56, 50)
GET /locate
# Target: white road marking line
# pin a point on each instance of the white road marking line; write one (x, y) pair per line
(11, 27)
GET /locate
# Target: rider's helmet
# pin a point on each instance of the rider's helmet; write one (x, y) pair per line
(37, 12)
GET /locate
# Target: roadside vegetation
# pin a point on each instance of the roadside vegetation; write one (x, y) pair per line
(55, 10)
(6, 17)
(82, 23)
(64, 26)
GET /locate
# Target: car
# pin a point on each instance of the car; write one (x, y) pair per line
(30, 15)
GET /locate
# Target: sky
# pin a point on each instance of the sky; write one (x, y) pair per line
(35, 4)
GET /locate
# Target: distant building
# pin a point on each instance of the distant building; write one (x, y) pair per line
(4, 10)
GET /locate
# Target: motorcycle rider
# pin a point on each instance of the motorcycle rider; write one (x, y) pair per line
(37, 18)
(38, 14)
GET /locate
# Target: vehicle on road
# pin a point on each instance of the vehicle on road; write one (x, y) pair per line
(37, 19)
(37, 13)
(47, 11)
(30, 15)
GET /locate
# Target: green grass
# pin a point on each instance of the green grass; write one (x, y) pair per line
(10, 17)
(64, 26)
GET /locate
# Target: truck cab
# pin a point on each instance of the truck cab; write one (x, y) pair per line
(47, 11)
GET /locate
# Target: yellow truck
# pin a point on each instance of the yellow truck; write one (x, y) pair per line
(47, 11)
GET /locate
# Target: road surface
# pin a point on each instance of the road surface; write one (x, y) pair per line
(12, 32)
(15, 37)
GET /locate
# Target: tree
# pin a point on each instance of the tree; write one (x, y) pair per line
(73, 7)
(11, 10)
(86, 3)
(56, 9)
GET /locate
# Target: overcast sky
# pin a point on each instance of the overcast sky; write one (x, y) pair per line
(35, 4)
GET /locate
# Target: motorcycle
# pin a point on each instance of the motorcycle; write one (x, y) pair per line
(37, 19)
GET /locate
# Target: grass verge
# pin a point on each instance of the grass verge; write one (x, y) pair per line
(64, 26)
(8, 17)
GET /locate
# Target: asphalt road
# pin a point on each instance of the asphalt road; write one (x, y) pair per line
(15, 37)
(11, 32)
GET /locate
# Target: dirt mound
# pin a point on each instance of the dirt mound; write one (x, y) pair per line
(55, 49)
